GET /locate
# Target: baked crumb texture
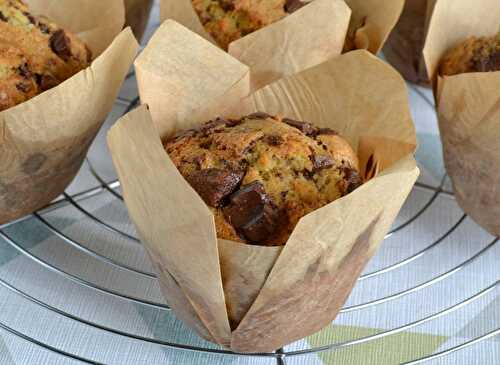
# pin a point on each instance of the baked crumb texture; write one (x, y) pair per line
(229, 20)
(260, 174)
(35, 54)
(472, 55)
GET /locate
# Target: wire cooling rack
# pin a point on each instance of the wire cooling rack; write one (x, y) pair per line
(76, 286)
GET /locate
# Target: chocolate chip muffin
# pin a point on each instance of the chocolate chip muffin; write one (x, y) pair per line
(260, 174)
(473, 55)
(229, 20)
(34, 48)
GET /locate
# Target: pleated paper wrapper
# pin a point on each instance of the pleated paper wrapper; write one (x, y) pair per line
(137, 15)
(468, 107)
(404, 46)
(44, 140)
(305, 38)
(244, 297)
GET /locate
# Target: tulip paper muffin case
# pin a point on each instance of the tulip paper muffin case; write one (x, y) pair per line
(44, 140)
(467, 103)
(279, 38)
(238, 295)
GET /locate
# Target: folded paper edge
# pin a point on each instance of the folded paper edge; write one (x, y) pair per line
(219, 328)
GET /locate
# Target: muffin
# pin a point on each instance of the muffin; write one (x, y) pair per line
(473, 55)
(47, 53)
(229, 20)
(260, 174)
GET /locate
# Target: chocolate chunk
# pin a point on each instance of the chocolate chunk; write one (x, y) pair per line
(44, 28)
(293, 5)
(211, 125)
(3, 18)
(213, 185)
(258, 115)
(326, 132)
(488, 64)
(45, 82)
(184, 134)
(24, 71)
(274, 140)
(253, 213)
(304, 127)
(353, 180)
(60, 44)
(226, 5)
(233, 122)
(321, 162)
(24, 87)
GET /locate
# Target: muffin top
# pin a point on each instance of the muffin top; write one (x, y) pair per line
(260, 174)
(229, 20)
(472, 55)
(50, 54)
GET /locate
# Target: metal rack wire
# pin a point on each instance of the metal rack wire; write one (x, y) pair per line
(111, 263)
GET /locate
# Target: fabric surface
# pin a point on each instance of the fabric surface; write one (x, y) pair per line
(75, 280)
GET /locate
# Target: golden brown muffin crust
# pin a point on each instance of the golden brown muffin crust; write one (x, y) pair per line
(473, 55)
(229, 20)
(17, 81)
(260, 174)
(52, 54)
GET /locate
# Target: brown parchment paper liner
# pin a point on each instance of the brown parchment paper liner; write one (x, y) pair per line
(305, 38)
(309, 36)
(468, 107)
(403, 48)
(137, 15)
(43, 141)
(371, 23)
(254, 298)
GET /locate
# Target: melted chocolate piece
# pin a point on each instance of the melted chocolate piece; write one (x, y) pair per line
(253, 213)
(321, 162)
(326, 132)
(212, 124)
(45, 82)
(353, 180)
(293, 5)
(3, 18)
(44, 28)
(258, 115)
(488, 64)
(60, 44)
(274, 140)
(304, 127)
(233, 122)
(213, 185)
